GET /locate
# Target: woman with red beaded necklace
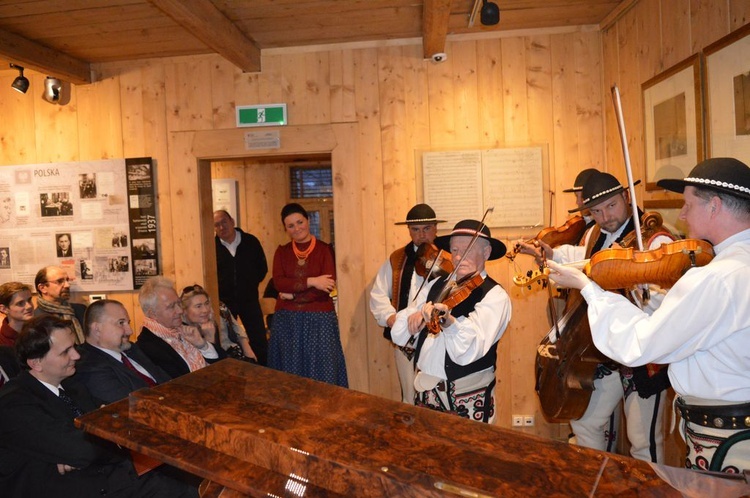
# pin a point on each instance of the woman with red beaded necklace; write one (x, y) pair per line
(305, 337)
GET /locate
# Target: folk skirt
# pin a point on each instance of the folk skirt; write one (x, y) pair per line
(308, 344)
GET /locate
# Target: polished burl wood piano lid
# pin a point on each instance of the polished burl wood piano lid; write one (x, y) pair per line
(260, 432)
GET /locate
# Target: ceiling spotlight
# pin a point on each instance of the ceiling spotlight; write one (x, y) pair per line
(490, 14)
(21, 83)
(52, 90)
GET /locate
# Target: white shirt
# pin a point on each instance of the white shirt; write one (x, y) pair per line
(380, 295)
(702, 328)
(468, 339)
(232, 247)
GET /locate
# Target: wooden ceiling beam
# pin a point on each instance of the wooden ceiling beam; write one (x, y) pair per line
(207, 23)
(435, 16)
(32, 55)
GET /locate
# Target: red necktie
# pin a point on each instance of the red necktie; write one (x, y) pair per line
(148, 380)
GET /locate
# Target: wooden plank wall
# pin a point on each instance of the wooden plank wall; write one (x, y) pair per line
(549, 87)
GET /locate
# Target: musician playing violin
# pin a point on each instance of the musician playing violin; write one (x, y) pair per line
(702, 328)
(577, 189)
(643, 388)
(396, 285)
(456, 363)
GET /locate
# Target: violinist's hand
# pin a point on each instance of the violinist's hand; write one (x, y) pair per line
(567, 276)
(445, 315)
(535, 249)
(415, 323)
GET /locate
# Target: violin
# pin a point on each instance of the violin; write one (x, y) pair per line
(428, 255)
(623, 268)
(451, 296)
(569, 232)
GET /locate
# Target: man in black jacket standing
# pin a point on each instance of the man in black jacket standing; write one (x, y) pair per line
(241, 267)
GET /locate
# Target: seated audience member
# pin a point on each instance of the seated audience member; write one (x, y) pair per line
(231, 336)
(111, 367)
(16, 305)
(53, 285)
(177, 348)
(42, 453)
(9, 366)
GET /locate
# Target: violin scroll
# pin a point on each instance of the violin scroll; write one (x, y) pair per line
(540, 276)
(428, 255)
(569, 232)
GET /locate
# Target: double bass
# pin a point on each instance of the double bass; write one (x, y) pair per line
(567, 359)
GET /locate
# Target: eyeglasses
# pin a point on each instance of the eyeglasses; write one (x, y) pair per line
(192, 288)
(59, 281)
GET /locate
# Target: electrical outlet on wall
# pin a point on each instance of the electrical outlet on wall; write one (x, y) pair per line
(528, 421)
(517, 420)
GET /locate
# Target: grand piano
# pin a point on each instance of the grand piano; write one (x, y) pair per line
(253, 431)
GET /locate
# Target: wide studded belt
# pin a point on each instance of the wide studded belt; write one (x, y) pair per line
(730, 417)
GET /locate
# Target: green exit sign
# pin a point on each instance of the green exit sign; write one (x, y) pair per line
(261, 115)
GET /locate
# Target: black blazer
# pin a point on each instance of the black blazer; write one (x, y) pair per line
(9, 361)
(107, 379)
(163, 355)
(37, 433)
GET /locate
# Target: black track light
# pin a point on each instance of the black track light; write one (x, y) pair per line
(490, 14)
(21, 83)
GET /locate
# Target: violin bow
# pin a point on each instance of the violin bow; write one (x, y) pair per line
(628, 169)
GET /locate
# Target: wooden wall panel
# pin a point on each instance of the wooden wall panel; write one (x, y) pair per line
(465, 93)
(223, 99)
(99, 120)
(589, 78)
(188, 95)
(491, 92)
(708, 18)
(341, 86)
(17, 143)
(515, 98)
(676, 37)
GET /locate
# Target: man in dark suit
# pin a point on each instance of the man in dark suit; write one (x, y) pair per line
(111, 366)
(42, 453)
(9, 367)
(177, 348)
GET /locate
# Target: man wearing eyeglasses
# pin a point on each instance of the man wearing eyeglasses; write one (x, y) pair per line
(53, 285)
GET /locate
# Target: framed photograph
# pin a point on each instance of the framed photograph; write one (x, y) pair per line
(673, 121)
(728, 95)
(670, 213)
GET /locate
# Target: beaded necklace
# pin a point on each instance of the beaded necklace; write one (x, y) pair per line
(302, 255)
